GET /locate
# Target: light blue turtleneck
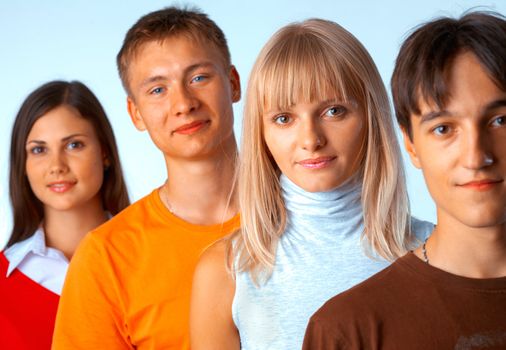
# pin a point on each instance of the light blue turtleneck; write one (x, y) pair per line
(318, 256)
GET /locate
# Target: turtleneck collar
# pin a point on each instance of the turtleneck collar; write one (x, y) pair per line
(341, 202)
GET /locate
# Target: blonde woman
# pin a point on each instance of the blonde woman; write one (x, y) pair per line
(321, 189)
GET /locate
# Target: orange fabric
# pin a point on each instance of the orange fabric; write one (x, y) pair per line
(128, 285)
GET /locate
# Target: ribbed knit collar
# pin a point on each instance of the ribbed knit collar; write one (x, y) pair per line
(337, 203)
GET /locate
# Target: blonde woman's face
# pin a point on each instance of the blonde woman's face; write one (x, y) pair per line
(317, 145)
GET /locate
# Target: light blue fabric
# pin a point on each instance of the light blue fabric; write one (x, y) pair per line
(318, 256)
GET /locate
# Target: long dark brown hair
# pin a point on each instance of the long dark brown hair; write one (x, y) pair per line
(27, 209)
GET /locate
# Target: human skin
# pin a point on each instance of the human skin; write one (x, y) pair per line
(182, 94)
(317, 145)
(64, 163)
(460, 150)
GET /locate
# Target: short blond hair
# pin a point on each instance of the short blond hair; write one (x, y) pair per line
(166, 23)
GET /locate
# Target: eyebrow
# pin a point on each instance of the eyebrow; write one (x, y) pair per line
(157, 78)
(485, 110)
(65, 139)
(433, 115)
(494, 105)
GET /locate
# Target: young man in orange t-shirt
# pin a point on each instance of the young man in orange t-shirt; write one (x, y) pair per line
(129, 283)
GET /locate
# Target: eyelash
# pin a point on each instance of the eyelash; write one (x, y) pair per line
(446, 128)
(201, 77)
(276, 119)
(37, 150)
(157, 90)
(72, 145)
(341, 111)
(501, 118)
(78, 144)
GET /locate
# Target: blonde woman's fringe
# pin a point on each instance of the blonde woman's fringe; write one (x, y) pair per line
(303, 62)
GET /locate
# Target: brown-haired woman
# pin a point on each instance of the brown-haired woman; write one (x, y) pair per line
(65, 179)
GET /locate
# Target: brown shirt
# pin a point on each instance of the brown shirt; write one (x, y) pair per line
(412, 305)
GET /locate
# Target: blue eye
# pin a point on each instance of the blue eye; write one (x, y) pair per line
(198, 79)
(335, 111)
(157, 91)
(441, 130)
(281, 119)
(499, 121)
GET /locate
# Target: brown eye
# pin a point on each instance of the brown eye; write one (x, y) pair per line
(37, 150)
(75, 145)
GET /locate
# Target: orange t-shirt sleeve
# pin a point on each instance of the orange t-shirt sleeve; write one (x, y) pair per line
(89, 313)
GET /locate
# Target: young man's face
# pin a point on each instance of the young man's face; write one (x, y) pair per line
(462, 149)
(182, 94)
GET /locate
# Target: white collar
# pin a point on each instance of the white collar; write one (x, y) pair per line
(36, 244)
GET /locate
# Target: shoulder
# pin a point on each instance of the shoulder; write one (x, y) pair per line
(135, 218)
(141, 209)
(211, 301)
(360, 302)
(212, 267)
(213, 281)
(421, 229)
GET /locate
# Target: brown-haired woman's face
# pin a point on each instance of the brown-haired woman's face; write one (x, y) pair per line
(65, 162)
(316, 145)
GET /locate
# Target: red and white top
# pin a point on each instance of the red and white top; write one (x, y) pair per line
(31, 279)
(44, 265)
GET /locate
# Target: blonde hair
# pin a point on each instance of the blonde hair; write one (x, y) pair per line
(302, 62)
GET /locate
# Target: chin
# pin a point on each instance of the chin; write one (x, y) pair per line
(483, 219)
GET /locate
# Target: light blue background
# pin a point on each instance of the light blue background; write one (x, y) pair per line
(46, 40)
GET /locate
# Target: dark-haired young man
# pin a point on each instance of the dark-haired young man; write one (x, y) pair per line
(449, 89)
(129, 283)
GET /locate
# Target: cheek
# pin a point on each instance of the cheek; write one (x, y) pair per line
(91, 169)
(34, 172)
(351, 141)
(278, 147)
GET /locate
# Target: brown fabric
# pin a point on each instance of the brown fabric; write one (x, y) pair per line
(412, 305)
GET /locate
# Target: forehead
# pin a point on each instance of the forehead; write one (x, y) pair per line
(468, 89)
(63, 119)
(181, 49)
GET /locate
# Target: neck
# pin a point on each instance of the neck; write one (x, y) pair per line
(467, 251)
(65, 229)
(202, 191)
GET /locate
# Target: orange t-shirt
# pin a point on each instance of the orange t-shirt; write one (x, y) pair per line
(129, 283)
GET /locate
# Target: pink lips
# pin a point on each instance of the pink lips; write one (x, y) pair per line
(61, 186)
(481, 185)
(316, 163)
(190, 128)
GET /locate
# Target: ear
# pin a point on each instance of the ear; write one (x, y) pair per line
(235, 82)
(135, 114)
(105, 161)
(410, 148)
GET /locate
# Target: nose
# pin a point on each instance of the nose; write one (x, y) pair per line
(58, 164)
(476, 150)
(311, 137)
(183, 100)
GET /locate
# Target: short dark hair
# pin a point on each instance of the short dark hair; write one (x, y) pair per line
(425, 56)
(168, 22)
(28, 211)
